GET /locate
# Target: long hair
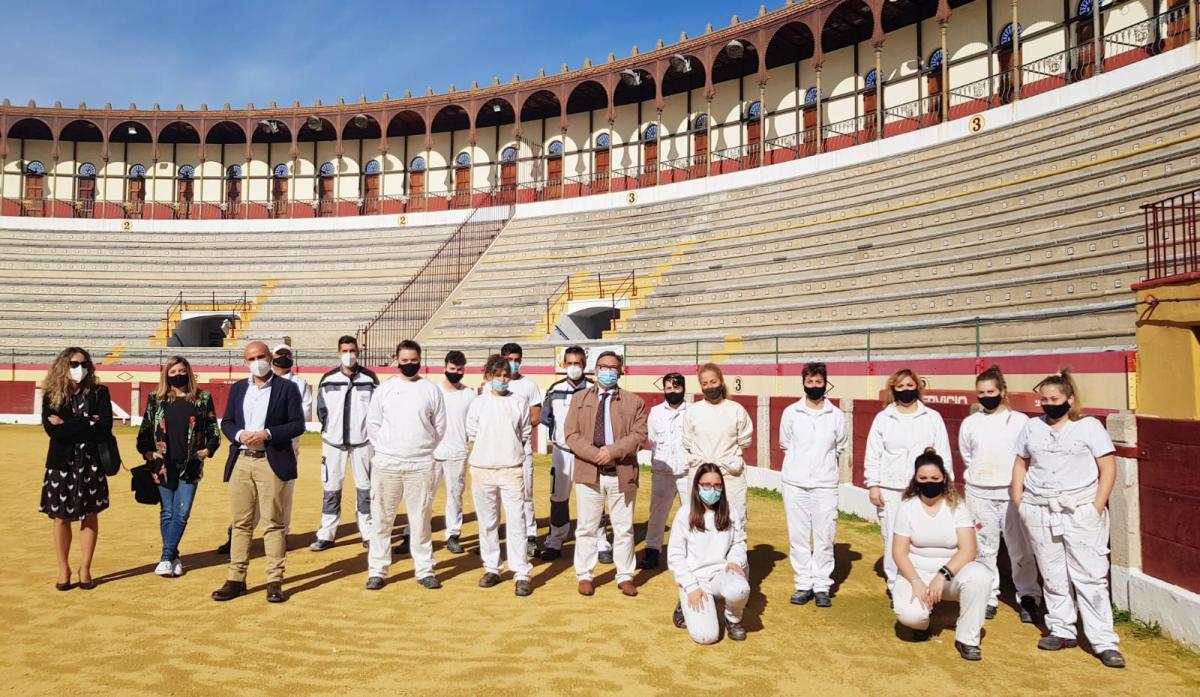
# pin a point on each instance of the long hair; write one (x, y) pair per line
(714, 368)
(899, 375)
(930, 457)
(1065, 382)
(57, 385)
(164, 393)
(698, 508)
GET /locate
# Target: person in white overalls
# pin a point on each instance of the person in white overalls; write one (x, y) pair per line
(1062, 477)
(668, 464)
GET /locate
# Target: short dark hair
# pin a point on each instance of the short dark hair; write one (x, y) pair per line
(577, 350)
(511, 347)
(674, 379)
(408, 345)
(814, 368)
(347, 339)
(614, 354)
(456, 358)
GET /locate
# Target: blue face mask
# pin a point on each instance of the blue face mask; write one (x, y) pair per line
(515, 367)
(710, 496)
(500, 386)
(607, 377)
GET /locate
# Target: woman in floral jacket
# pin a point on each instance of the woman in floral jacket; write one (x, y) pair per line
(179, 431)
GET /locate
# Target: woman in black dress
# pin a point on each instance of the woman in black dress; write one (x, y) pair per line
(77, 414)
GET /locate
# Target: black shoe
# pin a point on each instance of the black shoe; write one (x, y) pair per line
(605, 557)
(801, 597)
(550, 554)
(489, 580)
(649, 559)
(429, 582)
(453, 545)
(823, 599)
(321, 545)
(366, 545)
(531, 547)
(969, 653)
(1111, 658)
(401, 548)
(275, 593)
(522, 589)
(677, 617)
(990, 614)
(735, 631)
(223, 550)
(229, 591)
(375, 583)
(1030, 611)
(1055, 643)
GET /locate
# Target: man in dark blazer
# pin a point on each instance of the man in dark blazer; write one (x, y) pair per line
(262, 417)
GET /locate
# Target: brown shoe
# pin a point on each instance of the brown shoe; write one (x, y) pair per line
(628, 588)
(229, 591)
(275, 593)
(586, 588)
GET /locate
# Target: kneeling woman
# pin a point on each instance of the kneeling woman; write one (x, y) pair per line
(934, 547)
(707, 556)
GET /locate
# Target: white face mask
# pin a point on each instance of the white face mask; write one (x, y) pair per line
(260, 368)
(574, 372)
(349, 360)
(77, 374)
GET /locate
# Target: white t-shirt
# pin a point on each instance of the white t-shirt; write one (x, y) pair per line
(500, 427)
(406, 419)
(1063, 460)
(934, 539)
(988, 445)
(529, 390)
(454, 443)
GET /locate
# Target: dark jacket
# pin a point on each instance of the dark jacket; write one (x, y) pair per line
(76, 429)
(285, 421)
(628, 414)
(203, 433)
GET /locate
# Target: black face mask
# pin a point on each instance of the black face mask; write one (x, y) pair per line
(673, 398)
(816, 394)
(905, 396)
(931, 489)
(990, 403)
(180, 381)
(410, 369)
(284, 362)
(454, 378)
(712, 394)
(1056, 411)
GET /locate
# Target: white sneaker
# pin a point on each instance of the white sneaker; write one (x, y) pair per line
(176, 568)
(163, 568)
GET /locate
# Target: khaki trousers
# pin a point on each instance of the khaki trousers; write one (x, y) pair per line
(255, 493)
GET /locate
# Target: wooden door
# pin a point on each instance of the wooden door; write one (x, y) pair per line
(650, 166)
(1178, 26)
(416, 191)
(1085, 48)
(700, 161)
(462, 187)
(85, 197)
(137, 197)
(279, 196)
(370, 194)
(325, 196)
(809, 146)
(602, 169)
(35, 194)
(754, 141)
(233, 197)
(508, 182)
(869, 104)
(1005, 93)
(933, 108)
(554, 177)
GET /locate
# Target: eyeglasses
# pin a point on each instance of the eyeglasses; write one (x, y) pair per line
(79, 364)
(711, 487)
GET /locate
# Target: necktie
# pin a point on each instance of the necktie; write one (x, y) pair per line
(598, 436)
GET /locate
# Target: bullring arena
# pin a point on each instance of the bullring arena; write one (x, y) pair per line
(872, 185)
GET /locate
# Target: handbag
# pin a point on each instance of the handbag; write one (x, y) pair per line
(141, 482)
(109, 455)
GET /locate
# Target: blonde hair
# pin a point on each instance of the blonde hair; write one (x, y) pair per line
(716, 370)
(899, 375)
(164, 393)
(58, 385)
(1064, 381)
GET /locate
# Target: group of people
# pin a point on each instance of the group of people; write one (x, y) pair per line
(1041, 485)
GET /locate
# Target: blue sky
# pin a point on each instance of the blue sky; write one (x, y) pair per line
(174, 51)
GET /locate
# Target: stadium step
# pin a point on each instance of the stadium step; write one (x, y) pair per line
(243, 308)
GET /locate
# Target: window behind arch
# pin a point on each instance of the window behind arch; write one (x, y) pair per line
(509, 154)
(327, 169)
(417, 164)
(280, 171)
(810, 97)
(1006, 35)
(87, 169)
(935, 60)
(871, 80)
(556, 148)
(372, 167)
(463, 160)
(651, 133)
(233, 172)
(603, 141)
(755, 110)
(137, 172)
(187, 172)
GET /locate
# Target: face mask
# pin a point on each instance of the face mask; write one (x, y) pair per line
(515, 367)
(710, 496)
(259, 368)
(607, 377)
(905, 396)
(77, 374)
(1056, 411)
(284, 362)
(349, 360)
(712, 394)
(673, 398)
(410, 369)
(990, 403)
(931, 489)
(574, 372)
(180, 381)
(499, 386)
(816, 394)
(454, 378)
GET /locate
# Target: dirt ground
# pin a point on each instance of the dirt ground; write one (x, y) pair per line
(137, 633)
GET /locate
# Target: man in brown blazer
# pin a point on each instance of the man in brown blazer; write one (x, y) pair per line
(606, 426)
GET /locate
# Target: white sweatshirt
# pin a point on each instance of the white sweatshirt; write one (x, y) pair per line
(988, 445)
(406, 419)
(693, 556)
(665, 433)
(500, 427)
(454, 444)
(813, 439)
(897, 439)
(717, 433)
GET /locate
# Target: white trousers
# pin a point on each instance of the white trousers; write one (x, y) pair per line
(887, 521)
(812, 523)
(391, 483)
(562, 468)
(491, 489)
(333, 476)
(590, 503)
(665, 488)
(455, 475)
(998, 518)
(1074, 566)
(530, 518)
(702, 625)
(971, 587)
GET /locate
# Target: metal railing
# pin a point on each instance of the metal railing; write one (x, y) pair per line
(1172, 236)
(237, 305)
(593, 286)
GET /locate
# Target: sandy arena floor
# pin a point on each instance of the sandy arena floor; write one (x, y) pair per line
(140, 634)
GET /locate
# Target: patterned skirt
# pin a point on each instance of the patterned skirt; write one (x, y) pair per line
(74, 493)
